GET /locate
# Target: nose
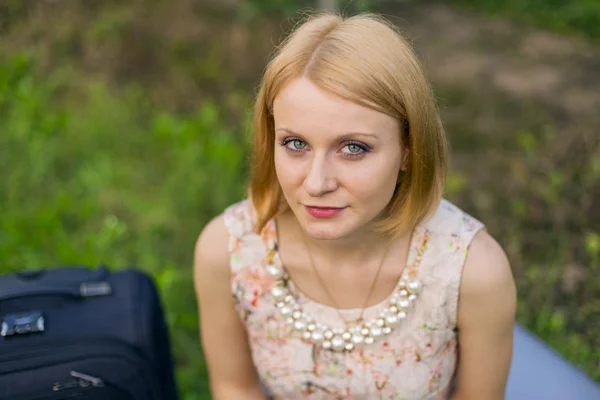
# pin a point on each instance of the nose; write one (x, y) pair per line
(320, 177)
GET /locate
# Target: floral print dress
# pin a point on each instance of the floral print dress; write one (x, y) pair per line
(417, 360)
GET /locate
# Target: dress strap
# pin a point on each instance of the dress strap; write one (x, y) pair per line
(460, 243)
(238, 222)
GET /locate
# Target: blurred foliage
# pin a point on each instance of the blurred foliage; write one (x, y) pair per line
(580, 17)
(112, 180)
(538, 196)
(124, 129)
(278, 8)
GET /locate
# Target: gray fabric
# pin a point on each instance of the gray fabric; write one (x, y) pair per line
(539, 372)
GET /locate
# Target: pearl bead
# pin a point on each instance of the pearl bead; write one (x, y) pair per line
(414, 286)
(299, 325)
(338, 339)
(277, 292)
(357, 339)
(286, 310)
(274, 271)
(376, 331)
(404, 304)
(337, 343)
(317, 336)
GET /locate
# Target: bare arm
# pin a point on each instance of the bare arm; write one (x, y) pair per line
(231, 370)
(486, 316)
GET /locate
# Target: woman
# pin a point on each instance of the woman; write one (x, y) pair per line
(345, 274)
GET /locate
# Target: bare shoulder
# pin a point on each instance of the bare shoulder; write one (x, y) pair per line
(211, 255)
(487, 291)
(223, 335)
(487, 267)
(486, 317)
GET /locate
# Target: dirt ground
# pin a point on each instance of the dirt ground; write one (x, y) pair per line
(494, 79)
(525, 65)
(521, 107)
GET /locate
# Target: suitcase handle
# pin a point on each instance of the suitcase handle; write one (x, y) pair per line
(34, 283)
(85, 289)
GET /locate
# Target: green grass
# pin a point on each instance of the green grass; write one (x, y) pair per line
(115, 151)
(110, 180)
(579, 17)
(537, 197)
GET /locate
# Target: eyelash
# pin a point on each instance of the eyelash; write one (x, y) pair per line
(362, 146)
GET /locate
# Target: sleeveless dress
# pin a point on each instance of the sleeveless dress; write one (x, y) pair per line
(417, 360)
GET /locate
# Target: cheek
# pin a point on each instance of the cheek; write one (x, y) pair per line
(370, 182)
(289, 172)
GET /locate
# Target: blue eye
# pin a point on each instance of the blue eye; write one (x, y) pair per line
(294, 144)
(355, 149)
(352, 149)
(298, 144)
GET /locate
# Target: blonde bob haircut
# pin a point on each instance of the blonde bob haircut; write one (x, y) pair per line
(363, 59)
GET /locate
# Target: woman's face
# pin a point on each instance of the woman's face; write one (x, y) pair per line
(337, 162)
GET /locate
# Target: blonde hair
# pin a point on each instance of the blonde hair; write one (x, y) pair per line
(364, 59)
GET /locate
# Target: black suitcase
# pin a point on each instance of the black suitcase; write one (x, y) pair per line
(81, 333)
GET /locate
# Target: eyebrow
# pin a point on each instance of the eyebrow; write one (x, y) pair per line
(344, 136)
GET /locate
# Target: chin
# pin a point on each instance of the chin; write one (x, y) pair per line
(327, 230)
(321, 235)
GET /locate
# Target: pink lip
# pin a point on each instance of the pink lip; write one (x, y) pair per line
(324, 212)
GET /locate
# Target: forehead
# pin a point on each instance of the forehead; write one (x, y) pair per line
(303, 107)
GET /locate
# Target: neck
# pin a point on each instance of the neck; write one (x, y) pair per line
(352, 250)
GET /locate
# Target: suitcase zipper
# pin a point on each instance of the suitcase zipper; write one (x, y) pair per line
(77, 387)
(102, 348)
(79, 380)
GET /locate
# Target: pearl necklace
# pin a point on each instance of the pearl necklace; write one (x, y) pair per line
(336, 339)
